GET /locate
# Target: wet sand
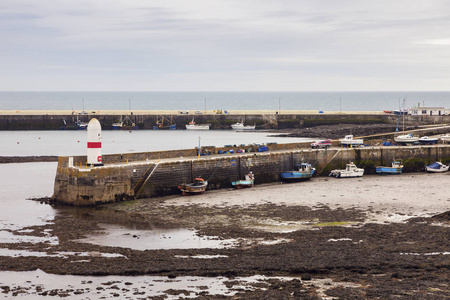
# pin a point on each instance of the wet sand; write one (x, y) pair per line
(375, 237)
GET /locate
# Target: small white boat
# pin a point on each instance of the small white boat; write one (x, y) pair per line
(193, 126)
(349, 141)
(437, 167)
(406, 139)
(428, 140)
(241, 126)
(350, 171)
(445, 137)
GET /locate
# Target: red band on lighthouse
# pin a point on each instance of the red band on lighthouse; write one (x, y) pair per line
(94, 144)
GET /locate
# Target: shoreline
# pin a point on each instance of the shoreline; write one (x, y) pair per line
(303, 231)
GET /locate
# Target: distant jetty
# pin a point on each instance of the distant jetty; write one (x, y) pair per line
(146, 119)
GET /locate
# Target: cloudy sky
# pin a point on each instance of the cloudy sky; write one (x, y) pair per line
(244, 45)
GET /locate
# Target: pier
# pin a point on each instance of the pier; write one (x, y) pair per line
(152, 174)
(267, 119)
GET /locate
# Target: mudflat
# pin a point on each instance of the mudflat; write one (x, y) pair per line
(382, 237)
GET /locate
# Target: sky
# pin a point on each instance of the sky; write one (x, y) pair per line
(244, 45)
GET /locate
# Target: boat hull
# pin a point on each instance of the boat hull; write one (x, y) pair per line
(428, 141)
(296, 175)
(198, 127)
(190, 189)
(388, 170)
(243, 184)
(171, 127)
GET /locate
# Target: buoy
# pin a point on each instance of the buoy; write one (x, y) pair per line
(94, 143)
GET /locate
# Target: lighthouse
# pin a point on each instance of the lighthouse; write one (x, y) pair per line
(94, 143)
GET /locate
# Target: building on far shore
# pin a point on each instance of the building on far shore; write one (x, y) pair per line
(428, 111)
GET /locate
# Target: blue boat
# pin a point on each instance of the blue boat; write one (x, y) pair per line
(160, 125)
(248, 182)
(396, 168)
(304, 172)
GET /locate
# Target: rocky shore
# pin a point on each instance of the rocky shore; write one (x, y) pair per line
(377, 237)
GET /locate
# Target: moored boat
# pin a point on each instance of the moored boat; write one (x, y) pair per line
(437, 167)
(396, 168)
(445, 137)
(304, 171)
(426, 140)
(406, 139)
(193, 126)
(241, 126)
(197, 187)
(350, 171)
(247, 182)
(160, 125)
(124, 125)
(349, 141)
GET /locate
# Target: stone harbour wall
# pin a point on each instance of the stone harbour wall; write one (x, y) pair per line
(81, 186)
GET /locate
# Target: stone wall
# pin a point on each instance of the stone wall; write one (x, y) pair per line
(281, 121)
(85, 186)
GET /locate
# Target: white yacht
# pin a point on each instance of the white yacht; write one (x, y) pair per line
(241, 126)
(350, 171)
(349, 141)
(406, 139)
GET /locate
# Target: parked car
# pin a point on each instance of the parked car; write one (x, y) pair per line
(183, 112)
(321, 144)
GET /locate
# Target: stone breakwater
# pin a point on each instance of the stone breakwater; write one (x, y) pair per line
(55, 120)
(151, 174)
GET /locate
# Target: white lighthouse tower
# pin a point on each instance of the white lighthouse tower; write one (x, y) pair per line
(94, 143)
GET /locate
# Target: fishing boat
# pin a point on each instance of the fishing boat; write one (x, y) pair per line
(445, 137)
(349, 141)
(124, 125)
(197, 187)
(426, 140)
(81, 125)
(406, 139)
(437, 167)
(304, 171)
(193, 126)
(241, 126)
(247, 182)
(396, 168)
(350, 171)
(160, 125)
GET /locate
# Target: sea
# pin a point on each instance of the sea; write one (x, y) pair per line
(325, 101)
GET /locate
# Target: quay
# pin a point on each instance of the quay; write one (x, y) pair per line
(146, 119)
(152, 174)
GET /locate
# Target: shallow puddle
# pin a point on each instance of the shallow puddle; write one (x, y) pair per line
(40, 285)
(183, 238)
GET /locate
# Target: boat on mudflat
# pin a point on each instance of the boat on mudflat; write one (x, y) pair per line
(193, 126)
(241, 126)
(437, 167)
(197, 187)
(304, 171)
(396, 168)
(247, 182)
(426, 140)
(406, 139)
(349, 141)
(350, 171)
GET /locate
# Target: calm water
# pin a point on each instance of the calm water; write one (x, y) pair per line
(28, 143)
(327, 101)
